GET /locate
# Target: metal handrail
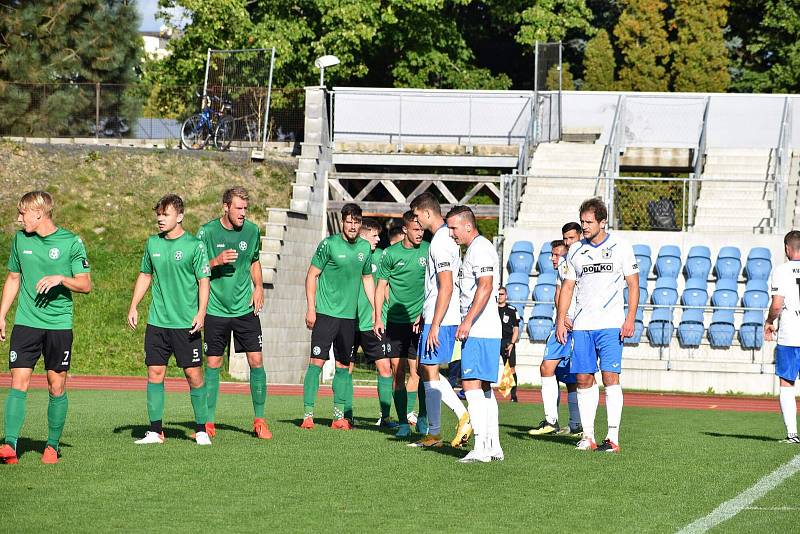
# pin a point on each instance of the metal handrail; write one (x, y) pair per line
(782, 164)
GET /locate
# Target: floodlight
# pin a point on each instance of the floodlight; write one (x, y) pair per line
(324, 62)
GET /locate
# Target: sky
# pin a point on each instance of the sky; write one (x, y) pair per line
(147, 10)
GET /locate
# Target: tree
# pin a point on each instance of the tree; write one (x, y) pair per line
(550, 20)
(700, 58)
(59, 50)
(567, 81)
(598, 64)
(643, 45)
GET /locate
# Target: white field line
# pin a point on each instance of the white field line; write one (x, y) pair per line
(730, 508)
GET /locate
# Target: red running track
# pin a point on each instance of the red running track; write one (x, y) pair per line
(528, 396)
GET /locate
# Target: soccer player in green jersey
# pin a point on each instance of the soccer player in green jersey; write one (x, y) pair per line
(366, 338)
(46, 265)
(177, 265)
(233, 245)
(338, 269)
(399, 297)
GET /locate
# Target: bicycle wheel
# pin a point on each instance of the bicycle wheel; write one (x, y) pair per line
(194, 133)
(223, 134)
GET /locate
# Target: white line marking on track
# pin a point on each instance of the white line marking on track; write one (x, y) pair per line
(774, 509)
(730, 508)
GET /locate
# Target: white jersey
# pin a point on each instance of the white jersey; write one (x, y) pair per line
(562, 272)
(786, 283)
(443, 255)
(599, 272)
(481, 260)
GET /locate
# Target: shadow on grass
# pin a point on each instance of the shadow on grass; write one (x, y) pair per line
(566, 440)
(138, 431)
(190, 425)
(740, 436)
(317, 422)
(25, 445)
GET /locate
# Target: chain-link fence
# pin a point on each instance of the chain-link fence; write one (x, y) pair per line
(651, 204)
(135, 111)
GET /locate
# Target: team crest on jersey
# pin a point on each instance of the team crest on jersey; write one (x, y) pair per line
(206, 269)
(360, 256)
(317, 351)
(374, 268)
(505, 318)
(422, 262)
(12, 356)
(606, 253)
(242, 245)
(54, 253)
(178, 255)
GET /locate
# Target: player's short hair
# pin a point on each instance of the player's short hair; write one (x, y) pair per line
(557, 243)
(465, 212)
(37, 200)
(241, 192)
(170, 199)
(570, 226)
(502, 288)
(351, 210)
(369, 224)
(408, 217)
(426, 201)
(596, 206)
(792, 240)
(395, 231)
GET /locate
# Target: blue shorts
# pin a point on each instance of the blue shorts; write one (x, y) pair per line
(554, 350)
(444, 353)
(787, 362)
(591, 345)
(480, 359)
(564, 372)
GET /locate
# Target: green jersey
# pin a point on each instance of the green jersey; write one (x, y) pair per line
(35, 257)
(176, 265)
(342, 264)
(231, 283)
(364, 307)
(404, 269)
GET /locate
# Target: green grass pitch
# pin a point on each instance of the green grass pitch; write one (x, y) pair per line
(675, 466)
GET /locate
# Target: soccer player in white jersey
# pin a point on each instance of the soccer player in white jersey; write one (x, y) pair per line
(785, 289)
(480, 332)
(441, 318)
(556, 362)
(598, 267)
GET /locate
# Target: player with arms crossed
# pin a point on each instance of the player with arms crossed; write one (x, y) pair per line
(597, 268)
(177, 265)
(441, 315)
(46, 265)
(233, 245)
(338, 269)
(785, 288)
(480, 332)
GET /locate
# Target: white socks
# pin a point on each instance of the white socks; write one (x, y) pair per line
(492, 421)
(550, 398)
(613, 410)
(574, 414)
(449, 397)
(588, 399)
(433, 403)
(788, 409)
(477, 408)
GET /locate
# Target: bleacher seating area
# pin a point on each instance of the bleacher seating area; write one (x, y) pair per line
(693, 297)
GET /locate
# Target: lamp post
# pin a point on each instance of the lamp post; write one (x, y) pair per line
(322, 63)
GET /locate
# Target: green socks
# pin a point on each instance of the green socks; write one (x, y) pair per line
(199, 404)
(15, 415)
(258, 391)
(348, 401)
(310, 388)
(155, 401)
(56, 417)
(340, 392)
(385, 395)
(412, 399)
(212, 391)
(401, 405)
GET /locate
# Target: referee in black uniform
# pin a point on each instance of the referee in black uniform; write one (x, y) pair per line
(510, 322)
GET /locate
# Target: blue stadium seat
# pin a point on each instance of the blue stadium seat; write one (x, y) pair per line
(721, 329)
(643, 295)
(520, 260)
(544, 264)
(545, 288)
(660, 327)
(665, 292)
(756, 294)
(698, 263)
(644, 259)
(696, 283)
(751, 332)
(668, 262)
(695, 293)
(541, 322)
(729, 263)
(638, 327)
(725, 293)
(517, 290)
(546, 247)
(759, 264)
(691, 328)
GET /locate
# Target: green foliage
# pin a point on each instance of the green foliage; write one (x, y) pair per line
(598, 64)
(550, 20)
(700, 59)
(642, 42)
(567, 81)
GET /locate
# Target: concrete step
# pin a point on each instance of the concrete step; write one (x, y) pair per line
(276, 230)
(733, 202)
(723, 212)
(278, 216)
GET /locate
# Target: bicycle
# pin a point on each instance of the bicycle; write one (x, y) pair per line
(209, 124)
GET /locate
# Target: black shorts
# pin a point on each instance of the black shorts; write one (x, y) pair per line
(217, 334)
(401, 341)
(374, 348)
(511, 358)
(160, 343)
(28, 343)
(340, 333)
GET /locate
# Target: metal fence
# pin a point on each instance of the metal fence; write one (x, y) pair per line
(135, 111)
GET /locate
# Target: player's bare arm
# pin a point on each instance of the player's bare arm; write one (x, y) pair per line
(203, 289)
(80, 283)
(445, 281)
(139, 291)
(770, 330)
(258, 287)
(381, 290)
(564, 298)
(482, 294)
(633, 302)
(224, 257)
(311, 295)
(10, 290)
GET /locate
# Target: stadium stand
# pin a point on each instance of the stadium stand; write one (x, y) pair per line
(541, 322)
(518, 290)
(691, 327)
(759, 264)
(698, 263)
(643, 257)
(660, 327)
(729, 263)
(521, 258)
(668, 262)
(665, 292)
(543, 264)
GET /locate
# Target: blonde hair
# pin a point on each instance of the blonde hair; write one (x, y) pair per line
(37, 200)
(241, 192)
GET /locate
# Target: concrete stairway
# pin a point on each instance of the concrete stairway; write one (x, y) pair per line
(734, 195)
(793, 213)
(548, 201)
